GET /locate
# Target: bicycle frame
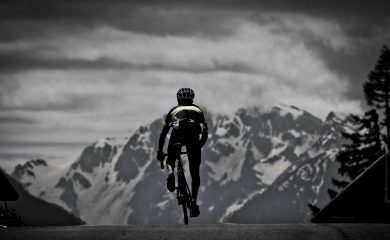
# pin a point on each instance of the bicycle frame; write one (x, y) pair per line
(183, 193)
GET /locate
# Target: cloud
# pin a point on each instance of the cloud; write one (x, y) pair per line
(34, 18)
(74, 71)
(56, 9)
(17, 120)
(253, 55)
(35, 94)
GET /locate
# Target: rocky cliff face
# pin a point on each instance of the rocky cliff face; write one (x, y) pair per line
(27, 172)
(257, 166)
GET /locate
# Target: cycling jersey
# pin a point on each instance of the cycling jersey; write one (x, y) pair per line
(187, 122)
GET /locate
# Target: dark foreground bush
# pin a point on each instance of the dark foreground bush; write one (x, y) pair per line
(10, 218)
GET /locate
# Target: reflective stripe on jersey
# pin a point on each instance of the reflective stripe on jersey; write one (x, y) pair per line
(191, 108)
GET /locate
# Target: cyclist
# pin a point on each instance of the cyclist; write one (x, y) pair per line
(189, 129)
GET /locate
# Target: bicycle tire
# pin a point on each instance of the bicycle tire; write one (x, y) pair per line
(185, 213)
(182, 189)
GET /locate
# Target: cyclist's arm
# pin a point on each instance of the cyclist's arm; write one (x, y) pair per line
(205, 133)
(165, 131)
(163, 134)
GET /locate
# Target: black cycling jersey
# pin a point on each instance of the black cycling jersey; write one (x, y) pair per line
(187, 122)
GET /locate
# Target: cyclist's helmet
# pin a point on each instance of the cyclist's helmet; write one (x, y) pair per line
(185, 94)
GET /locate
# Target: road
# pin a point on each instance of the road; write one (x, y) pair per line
(204, 232)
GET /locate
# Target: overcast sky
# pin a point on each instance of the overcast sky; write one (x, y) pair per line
(72, 72)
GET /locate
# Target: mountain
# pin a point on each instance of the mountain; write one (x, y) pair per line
(37, 212)
(37, 177)
(257, 166)
(304, 181)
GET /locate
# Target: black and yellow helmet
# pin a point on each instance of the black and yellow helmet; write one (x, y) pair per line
(186, 94)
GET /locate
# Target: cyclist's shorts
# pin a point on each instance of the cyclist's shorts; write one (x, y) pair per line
(193, 153)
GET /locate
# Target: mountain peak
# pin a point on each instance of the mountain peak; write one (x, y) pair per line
(28, 168)
(335, 117)
(98, 153)
(110, 141)
(285, 109)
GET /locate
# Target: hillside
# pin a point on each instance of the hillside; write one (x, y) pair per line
(37, 212)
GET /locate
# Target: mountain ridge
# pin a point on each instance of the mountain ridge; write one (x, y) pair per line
(118, 181)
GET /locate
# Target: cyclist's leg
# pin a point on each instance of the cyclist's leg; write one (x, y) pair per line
(173, 154)
(194, 158)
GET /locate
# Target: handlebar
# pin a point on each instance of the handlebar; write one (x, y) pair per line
(166, 154)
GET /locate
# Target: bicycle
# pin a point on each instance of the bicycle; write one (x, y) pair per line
(183, 193)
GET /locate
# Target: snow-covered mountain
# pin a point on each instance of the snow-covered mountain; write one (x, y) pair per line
(257, 166)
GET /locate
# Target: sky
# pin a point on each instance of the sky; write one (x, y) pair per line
(72, 72)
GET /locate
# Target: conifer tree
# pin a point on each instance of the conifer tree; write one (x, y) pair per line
(377, 93)
(363, 148)
(365, 142)
(377, 89)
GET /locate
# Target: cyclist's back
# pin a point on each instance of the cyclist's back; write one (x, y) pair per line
(186, 122)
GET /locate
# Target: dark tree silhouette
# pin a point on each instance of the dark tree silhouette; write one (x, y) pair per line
(332, 193)
(313, 208)
(377, 89)
(10, 217)
(363, 148)
(365, 141)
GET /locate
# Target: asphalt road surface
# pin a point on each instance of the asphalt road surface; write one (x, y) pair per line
(204, 232)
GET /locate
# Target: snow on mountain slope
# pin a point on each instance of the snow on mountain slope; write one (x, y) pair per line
(249, 156)
(27, 172)
(306, 181)
(285, 201)
(90, 187)
(38, 177)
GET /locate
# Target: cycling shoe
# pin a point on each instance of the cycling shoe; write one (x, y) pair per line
(194, 211)
(171, 182)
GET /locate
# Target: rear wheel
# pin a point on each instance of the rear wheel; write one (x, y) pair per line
(185, 213)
